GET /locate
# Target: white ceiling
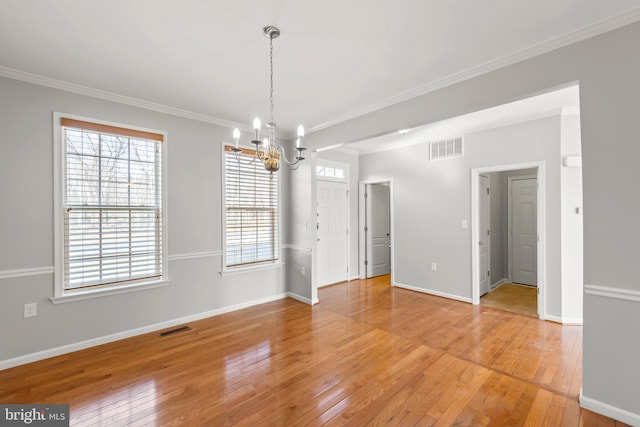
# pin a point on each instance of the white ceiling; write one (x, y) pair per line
(335, 59)
(565, 100)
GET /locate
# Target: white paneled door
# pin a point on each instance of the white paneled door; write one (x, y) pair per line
(524, 231)
(484, 235)
(378, 230)
(332, 232)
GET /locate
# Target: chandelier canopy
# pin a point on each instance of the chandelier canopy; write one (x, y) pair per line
(267, 150)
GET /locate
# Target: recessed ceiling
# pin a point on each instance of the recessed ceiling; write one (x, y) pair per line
(334, 59)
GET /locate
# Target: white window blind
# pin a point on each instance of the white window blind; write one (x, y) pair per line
(112, 205)
(251, 202)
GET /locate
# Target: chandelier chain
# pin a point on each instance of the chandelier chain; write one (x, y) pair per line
(271, 74)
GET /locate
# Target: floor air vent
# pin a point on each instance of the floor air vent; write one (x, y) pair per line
(175, 331)
(446, 148)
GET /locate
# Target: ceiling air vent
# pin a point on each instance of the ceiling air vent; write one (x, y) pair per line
(446, 148)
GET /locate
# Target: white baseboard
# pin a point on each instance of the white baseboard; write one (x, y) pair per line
(551, 318)
(302, 299)
(432, 292)
(69, 348)
(354, 278)
(563, 321)
(608, 410)
(498, 283)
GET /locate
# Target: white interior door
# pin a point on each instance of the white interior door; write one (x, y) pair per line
(378, 230)
(332, 232)
(524, 234)
(484, 235)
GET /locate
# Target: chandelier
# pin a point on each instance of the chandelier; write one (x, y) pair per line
(267, 150)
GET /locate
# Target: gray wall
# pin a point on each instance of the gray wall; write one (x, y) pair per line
(431, 199)
(26, 227)
(607, 67)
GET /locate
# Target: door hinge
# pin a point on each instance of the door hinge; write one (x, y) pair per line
(487, 191)
(347, 193)
(488, 273)
(366, 195)
(366, 262)
(366, 229)
(488, 232)
(347, 231)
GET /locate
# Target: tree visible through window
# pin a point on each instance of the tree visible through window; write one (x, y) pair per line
(112, 205)
(251, 217)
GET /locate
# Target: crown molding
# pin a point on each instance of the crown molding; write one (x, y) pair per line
(629, 17)
(114, 97)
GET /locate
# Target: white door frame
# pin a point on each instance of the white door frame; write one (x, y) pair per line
(475, 183)
(488, 237)
(345, 166)
(362, 221)
(510, 219)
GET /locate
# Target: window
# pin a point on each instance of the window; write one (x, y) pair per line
(251, 211)
(112, 207)
(330, 172)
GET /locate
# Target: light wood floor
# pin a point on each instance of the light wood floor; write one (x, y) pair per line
(368, 354)
(512, 297)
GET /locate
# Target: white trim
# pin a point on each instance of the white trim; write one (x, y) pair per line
(609, 292)
(592, 30)
(300, 298)
(498, 283)
(554, 319)
(45, 354)
(563, 321)
(114, 97)
(609, 410)
(362, 222)
(103, 291)
(296, 248)
(26, 272)
(60, 294)
(194, 255)
(247, 269)
(357, 277)
(570, 111)
(432, 292)
(541, 254)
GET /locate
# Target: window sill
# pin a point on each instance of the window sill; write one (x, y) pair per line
(106, 291)
(250, 269)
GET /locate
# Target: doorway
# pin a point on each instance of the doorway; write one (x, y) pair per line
(332, 224)
(376, 229)
(516, 227)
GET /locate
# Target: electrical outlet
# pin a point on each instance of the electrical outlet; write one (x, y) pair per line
(303, 271)
(31, 310)
(434, 266)
(464, 224)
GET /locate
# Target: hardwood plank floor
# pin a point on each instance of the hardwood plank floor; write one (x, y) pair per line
(368, 354)
(521, 299)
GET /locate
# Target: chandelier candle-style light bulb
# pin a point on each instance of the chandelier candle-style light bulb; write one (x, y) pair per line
(236, 136)
(268, 151)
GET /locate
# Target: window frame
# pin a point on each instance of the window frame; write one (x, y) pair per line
(260, 265)
(60, 294)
